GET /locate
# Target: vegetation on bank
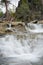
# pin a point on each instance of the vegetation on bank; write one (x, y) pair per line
(29, 10)
(26, 11)
(8, 15)
(1, 13)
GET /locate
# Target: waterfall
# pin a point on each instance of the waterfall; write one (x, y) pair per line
(17, 49)
(9, 27)
(35, 28)
(25, 49)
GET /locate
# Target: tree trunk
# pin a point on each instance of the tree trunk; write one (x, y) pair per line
(6, 9)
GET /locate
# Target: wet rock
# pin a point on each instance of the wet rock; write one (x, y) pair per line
(40, 22)
(7, 31)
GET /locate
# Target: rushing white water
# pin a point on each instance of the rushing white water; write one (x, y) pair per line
(9, 28)
(35, 28)
(21, 49)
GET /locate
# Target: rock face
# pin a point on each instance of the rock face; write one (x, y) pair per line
(4, 27)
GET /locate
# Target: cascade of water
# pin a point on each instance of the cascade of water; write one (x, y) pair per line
(11, 47)
(9, 25)
(22, 51)
(35, 28)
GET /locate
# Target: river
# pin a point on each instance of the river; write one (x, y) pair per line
(23, 48)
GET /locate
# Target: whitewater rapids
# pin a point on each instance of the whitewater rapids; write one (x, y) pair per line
(20, 49)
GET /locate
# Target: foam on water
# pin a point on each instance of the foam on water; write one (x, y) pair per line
(22, 50)
(35, 28)
(11, 47)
